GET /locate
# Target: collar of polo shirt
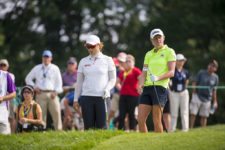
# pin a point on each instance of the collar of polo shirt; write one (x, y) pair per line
(99, 55)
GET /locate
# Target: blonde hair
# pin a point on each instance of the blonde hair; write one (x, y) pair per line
(129, 56)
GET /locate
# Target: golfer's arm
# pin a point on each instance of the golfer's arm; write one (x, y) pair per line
(170, 73)
(80, 80)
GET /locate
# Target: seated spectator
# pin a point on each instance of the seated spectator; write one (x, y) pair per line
(71, 119)
(29, 113)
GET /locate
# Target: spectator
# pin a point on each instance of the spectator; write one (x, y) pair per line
(7, 92)
(120, 62)
(179, 96)
(96, 77)
(167, 115)
(159, 67)
(202, 97)
(29, 113)
(4, 65)
(128, 80)
(69, 79)
(47, 80)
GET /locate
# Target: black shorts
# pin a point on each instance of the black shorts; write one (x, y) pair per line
(154, 95)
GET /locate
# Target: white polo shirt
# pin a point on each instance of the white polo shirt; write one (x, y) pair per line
(46, 77)
(96, 74)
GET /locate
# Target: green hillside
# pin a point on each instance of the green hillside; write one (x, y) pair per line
(210, 138)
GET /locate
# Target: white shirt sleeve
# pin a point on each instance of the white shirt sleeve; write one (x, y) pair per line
(78, 89)
(58, 81)
(31, 76)
(112, 74)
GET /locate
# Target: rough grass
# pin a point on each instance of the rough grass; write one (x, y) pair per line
(210, 138)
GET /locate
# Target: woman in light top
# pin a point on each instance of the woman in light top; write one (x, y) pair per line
(159, 67)
(96, 77)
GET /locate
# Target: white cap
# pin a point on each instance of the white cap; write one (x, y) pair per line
(122, 57)
(4, 61)
(92, 39)
(180, 57)
(155, 32)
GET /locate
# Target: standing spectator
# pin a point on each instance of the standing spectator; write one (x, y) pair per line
(179, 96)
(7, 92)
(4, 65)
(167, 115)
(202, 97)
(96, 77)
(120, 62)
(159, 67)
(128, 79)
(29, 113)
(47, 82)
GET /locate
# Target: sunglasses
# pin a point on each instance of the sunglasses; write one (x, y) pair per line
(3, 65)
(27, 92)
(88, 46)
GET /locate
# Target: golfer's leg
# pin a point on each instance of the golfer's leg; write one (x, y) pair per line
(100, 114)
(157, 118)
(143, 112)
(88, 115)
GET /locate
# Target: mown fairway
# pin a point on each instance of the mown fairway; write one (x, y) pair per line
(210, 138)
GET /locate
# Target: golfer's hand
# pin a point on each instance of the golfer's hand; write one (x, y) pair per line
(154, 78)
(106, 94)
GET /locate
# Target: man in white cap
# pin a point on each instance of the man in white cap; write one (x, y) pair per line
(47, 82)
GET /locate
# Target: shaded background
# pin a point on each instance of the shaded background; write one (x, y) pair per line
(194, 28)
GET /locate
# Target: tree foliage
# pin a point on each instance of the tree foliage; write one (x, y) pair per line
(27, 27)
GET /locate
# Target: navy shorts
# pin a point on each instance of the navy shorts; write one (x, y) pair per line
(149, 96)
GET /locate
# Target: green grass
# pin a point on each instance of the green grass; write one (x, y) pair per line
(210, 138)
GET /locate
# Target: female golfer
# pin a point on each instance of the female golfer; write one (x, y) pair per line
(96, 77)
(159, 67)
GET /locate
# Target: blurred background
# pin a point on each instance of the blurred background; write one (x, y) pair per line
(194, 28)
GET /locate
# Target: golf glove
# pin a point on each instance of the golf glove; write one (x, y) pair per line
(154, 78)
(106, 94)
